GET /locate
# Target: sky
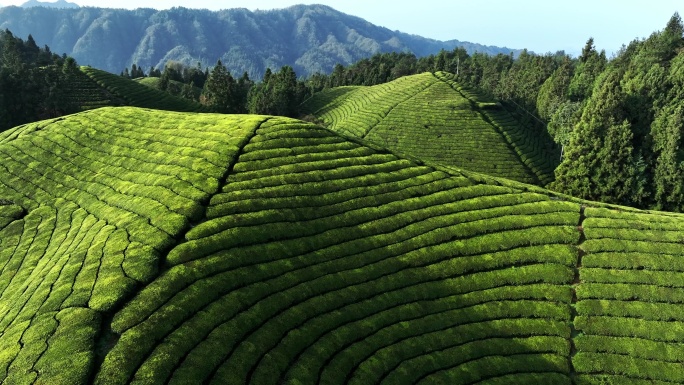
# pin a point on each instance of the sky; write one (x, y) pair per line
(538, 25)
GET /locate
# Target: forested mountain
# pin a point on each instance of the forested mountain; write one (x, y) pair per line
(55, 4)
(309, 38)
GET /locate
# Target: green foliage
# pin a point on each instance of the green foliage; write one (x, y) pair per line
(289, 278)
(591, 65)
(629, 299)
(667, 140)
(220, 91)
(33, 82)
(563, 120)
(279, 94)
(553, 92)
(620, 146)
(625, 147)
(601, 162)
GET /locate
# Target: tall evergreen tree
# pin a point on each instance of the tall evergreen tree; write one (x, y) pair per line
(591, 65)
(554, 91)
(220, 90)
(244, 84)
(668, 144)
(279, 94)
(440, 61)
(600, 162)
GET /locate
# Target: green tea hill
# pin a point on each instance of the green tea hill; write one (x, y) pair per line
(148, 247)
(432, 117)
(174, 87)
(93, 88)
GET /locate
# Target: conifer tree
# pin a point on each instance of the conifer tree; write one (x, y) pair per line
(669, 168)
(578, 173)
(591, 65)
(668, 144)
(601, 162)
(440, 61)
(553, 93)
(244, 84)
(188, 91)
(220, 90)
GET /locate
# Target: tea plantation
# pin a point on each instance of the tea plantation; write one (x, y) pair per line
(174, 87)
(149, 247)
(432, 117)
(92, 88)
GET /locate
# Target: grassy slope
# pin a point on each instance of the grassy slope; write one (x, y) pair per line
(151, 247)
(432, 117)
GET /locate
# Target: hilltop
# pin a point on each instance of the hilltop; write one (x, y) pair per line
(434, 118)
(141, 246)
(310, 38)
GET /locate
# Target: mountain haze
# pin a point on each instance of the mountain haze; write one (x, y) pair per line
(311, 38)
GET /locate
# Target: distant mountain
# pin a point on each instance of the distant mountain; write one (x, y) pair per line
(56, 4)
(310, 38)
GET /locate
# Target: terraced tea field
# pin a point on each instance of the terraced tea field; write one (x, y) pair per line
(138, 95)
(87, 94)
(91, 88)
(149, 247)
(174, 88)
(430, 116)
(630, 300)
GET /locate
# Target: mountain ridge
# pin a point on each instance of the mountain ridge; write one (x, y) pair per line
(310, 38)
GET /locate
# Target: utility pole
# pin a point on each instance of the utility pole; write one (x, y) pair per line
(458, 64)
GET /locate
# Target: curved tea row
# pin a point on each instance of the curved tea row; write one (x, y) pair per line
(139, 246)
(324, 261)
(90, 203)
(630, 300)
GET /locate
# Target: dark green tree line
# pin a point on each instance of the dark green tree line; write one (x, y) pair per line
(625, 148)
(33, 81)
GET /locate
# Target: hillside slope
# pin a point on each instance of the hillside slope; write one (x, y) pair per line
(139, 246)
(430, 116)
(310, 38)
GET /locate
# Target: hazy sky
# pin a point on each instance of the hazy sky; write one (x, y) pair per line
(539, 25)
